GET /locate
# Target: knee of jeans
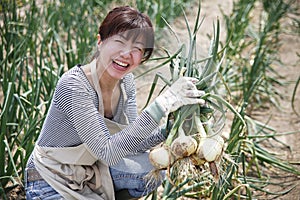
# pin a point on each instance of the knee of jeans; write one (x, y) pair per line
(150, 183)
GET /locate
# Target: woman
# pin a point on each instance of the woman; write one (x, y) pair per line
(93, 143)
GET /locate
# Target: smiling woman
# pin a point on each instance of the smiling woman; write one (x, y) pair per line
(93, 144)
(136, 24)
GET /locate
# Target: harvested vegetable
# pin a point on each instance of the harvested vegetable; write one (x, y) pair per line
(210, 148)
(196, 149)
(161, 157)
(183, 145)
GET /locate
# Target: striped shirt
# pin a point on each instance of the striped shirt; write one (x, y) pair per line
(73, 119)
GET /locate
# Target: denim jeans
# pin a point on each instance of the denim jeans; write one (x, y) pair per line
(130, 173)
(40, 189)
(136, 184)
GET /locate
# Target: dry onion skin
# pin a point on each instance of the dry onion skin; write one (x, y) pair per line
(183, 146)
(197, 159)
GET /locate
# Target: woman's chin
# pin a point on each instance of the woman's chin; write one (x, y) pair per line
(116, 74)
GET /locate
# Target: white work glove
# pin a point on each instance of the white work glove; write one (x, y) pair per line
(182, 92)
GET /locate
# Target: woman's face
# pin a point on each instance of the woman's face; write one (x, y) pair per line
(120, 54)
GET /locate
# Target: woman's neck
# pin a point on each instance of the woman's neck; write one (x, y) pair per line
(107, 83)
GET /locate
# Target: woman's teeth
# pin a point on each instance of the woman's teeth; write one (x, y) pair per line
(121, 63)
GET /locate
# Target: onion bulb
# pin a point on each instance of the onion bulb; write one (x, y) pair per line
(161, 157)
(210, 148)
(183, 145)
(211, 145)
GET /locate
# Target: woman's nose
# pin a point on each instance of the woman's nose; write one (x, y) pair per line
(126, 52)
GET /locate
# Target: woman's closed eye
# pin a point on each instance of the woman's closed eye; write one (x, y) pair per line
(138, 48)
(119, 41)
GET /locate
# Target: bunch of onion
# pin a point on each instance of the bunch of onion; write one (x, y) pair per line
(163, 157)
(187, 149)
(191, 159)
(178, 152)
(182, 146)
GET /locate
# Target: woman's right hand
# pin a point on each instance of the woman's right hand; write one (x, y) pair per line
(182, 92)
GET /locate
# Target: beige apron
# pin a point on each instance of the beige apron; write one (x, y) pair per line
(75, 172)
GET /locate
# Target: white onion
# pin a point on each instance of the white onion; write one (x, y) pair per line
(183, 145)
(211, 148)
(160, 157)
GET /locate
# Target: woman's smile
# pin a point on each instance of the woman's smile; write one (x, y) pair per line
(119, 65)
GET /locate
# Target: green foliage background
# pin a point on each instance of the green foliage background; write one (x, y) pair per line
(39, 40)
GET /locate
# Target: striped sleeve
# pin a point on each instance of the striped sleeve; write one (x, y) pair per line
(156, 136)
(131, 104)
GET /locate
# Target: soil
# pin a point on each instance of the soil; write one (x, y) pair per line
(283, 119)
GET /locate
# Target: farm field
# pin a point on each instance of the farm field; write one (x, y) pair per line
(272, 111)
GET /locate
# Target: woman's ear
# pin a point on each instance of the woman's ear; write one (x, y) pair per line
(98, 39)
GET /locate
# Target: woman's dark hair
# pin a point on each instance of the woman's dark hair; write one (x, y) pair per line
(125, 18)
